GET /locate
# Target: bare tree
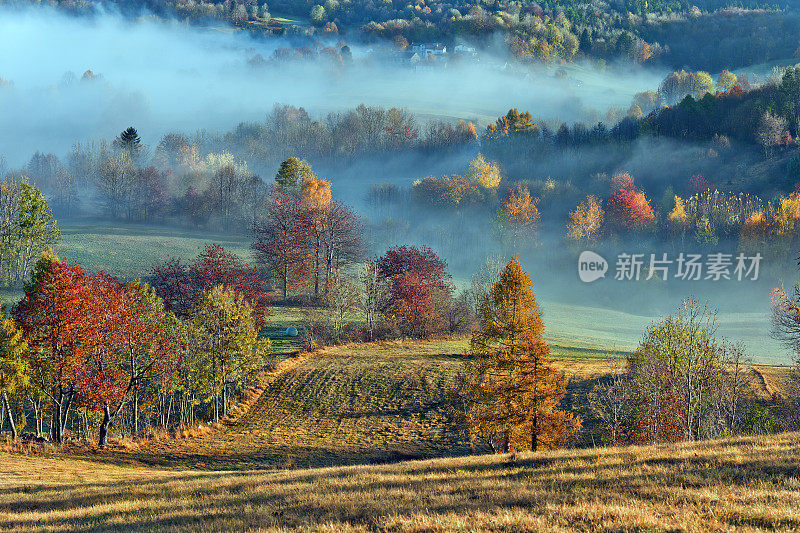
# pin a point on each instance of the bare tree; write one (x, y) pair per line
(786, 328)
(608, 400)
(114, 181)
(735, 384)
(341, 299)
(770, 131)
(279, 239)
(374, 294)
(483, 280)
(342, 238)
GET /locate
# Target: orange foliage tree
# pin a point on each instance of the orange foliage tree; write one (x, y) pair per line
(512, 388)
(520, 210)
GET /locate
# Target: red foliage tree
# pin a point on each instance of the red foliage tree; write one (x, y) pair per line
(180, 286)
(136, 339)
(432, 270)
(418, 280)
(58, 315)
(280, 241)
(411, 306)
(214, 266)
(627, 208)
(173, 284)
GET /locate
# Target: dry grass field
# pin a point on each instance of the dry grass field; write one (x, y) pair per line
(743, 484)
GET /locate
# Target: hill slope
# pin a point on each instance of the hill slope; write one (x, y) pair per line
(746, 484)
(363, 404)
(357, 403)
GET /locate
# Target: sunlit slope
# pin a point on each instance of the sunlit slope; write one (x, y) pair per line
(369, 403)
(596, 327)
(743, 484)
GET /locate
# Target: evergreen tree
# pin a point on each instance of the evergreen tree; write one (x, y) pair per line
(129, 141)
(293, 173)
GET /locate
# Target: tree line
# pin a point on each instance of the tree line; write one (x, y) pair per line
(93, 350)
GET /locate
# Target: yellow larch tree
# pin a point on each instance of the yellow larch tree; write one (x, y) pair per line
(512, 388)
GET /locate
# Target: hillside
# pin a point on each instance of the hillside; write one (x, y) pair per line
(747, 484)
(361, 404)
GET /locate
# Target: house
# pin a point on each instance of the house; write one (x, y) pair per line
(435, 49)
(462, 49)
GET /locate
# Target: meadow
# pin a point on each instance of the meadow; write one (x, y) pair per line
(742, 484)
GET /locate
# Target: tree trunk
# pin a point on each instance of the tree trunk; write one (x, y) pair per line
(182, 417)
(103, 439)
(10, 416)
(535, 433)
(37, 414)
(216, 408)
(135, 408)
(55, 423)
(64, 412)
(285, 281)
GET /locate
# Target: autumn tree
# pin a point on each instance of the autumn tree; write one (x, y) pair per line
(280, 240)
(137, 341)
(725, 80)
(225, 339)
(678, 378)
(519, 210)
(627, 208)
(27, 228)
(216, 266)
(701, 83)
(513, 388)
(419, 287)
(313, 217)
(586, 222)
(15, 371)
(770, 131)
(57, 315)
(486, 174)
(181, 285)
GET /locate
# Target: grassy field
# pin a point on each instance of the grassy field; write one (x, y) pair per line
(361, 403)
(743, 484)
(132, 250)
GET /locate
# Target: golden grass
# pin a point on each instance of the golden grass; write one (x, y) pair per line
(746, 484)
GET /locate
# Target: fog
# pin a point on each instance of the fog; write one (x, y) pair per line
(166, 76)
